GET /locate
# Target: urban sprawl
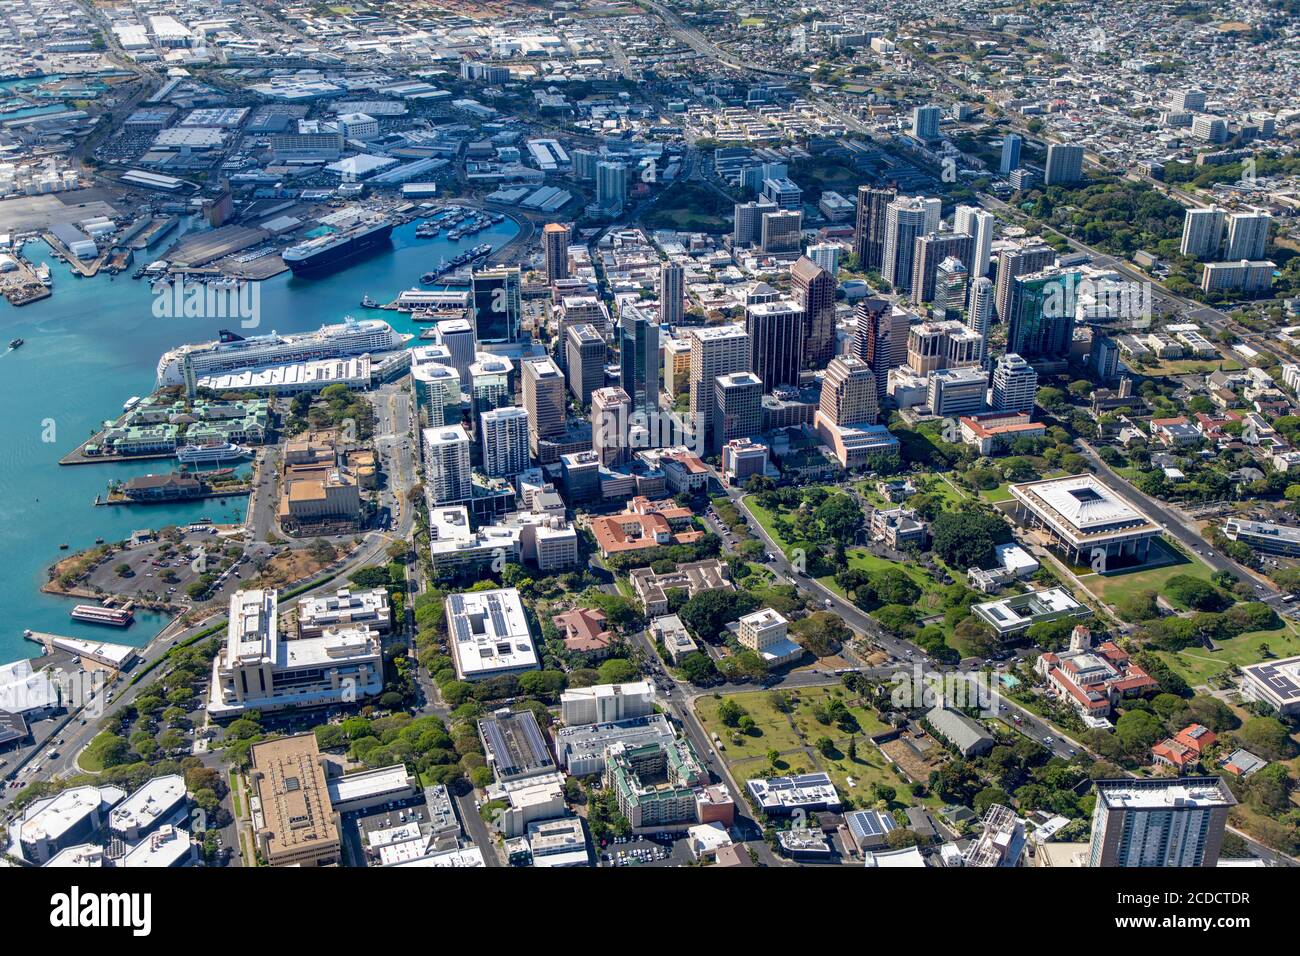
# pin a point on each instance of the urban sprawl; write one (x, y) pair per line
(820, 437)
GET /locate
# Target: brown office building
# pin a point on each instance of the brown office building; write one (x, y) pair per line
(298, 825)
(813, 289)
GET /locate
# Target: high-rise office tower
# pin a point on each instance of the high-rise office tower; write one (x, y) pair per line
(905, 220)
(952, 392)
(489, 386)
(457, 336)
(611, 186)
(945, 344)
(715, 350)
(1040, 314)
(504, 439)
(925, 123)
(1103, 358)
(1015, 384)
(849, 395)
(497, 303)
(783, 193)
(638, 357)
(748, 230)
(447, 465)
(737, 408)
(930, 250)
(813, 289)
(611, 409)
(979, 312)
(950, 288)
(1064, 164)
(586, 360)
(1159, 821)
(826, 255)
(555, 250)
(1010, 154)
(1247, 236)
(672, 294)
(880, 339)
(978, 223)
(781, 232)
(1202, 233)
(1019, 261)
(543, 388)
(776, 334)
(584, 164)
(869, 236)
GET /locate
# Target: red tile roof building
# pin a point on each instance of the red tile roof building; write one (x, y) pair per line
(1184, 748)
(1092, 679)
(646, 524)
(584, 631)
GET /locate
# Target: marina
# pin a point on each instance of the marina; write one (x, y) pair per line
(75, 370)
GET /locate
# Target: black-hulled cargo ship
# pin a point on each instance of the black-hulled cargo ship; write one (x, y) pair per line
(327, 253)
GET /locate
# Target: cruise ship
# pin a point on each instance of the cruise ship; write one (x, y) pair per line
(210, 453)
(97, 614)
(325, 253)
(230, 352)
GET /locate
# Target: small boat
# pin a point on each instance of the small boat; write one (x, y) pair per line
(368, 303)
(429, 277)
(16, 343)
(64, 546)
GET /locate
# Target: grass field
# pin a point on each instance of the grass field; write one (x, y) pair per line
(794, 735)
(1197, 664)
(691, 208)
(1114, 587)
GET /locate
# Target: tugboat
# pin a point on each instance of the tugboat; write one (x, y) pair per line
(16, 343)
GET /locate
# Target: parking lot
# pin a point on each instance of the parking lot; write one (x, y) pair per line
(668, 850)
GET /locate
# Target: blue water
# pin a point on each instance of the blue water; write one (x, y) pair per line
(89, 347)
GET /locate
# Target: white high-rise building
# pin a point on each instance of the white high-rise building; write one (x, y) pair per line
(447, 465)
(715, 350)
(1015, 385)
(826, 255)
(505, 441)
(925, 123)
(1202, 233)
(1247, 235)
(978, 223)
(611, 186)
(906, 218)
(979, 312)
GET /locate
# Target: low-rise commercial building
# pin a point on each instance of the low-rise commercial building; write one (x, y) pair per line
(294, 823)
(489, 635)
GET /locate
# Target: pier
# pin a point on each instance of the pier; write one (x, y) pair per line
(115, 657)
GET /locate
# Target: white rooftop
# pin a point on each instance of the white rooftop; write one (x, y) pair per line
(1085, 502)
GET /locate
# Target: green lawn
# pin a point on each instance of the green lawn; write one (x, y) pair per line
(1197, 664)
(793, 735)
(234, 793)
(995, 495)
(1116, 586)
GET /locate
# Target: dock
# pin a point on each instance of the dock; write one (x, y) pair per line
(116, 657)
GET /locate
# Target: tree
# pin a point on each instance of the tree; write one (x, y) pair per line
(1194, 593)
(988, 797)
(893, 586)
(1267, 737)
(730, 711)
(1137, 730)
(617, 670)
(697, 667)
(821, 633)
(965, 539)
(900, 838)
(709, 612)
(839, 517)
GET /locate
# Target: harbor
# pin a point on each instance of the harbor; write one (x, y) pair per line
(97, 343)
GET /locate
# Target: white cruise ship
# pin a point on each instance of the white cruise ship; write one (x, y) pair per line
(210, 453)
(348, 338)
